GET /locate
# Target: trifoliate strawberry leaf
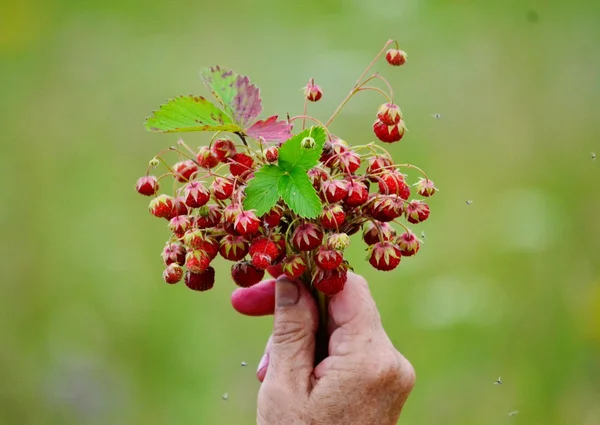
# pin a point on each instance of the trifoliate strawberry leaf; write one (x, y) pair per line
(221, 83)
(190, 113)
(262, 192)
(270, 130)
(292, 153)
(299, 194)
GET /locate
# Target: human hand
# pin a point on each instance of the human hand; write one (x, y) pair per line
(364, 379)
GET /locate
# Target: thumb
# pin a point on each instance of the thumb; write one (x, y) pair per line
(291, 359)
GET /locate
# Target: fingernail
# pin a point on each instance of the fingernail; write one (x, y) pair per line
(263, 362)
(286, 292)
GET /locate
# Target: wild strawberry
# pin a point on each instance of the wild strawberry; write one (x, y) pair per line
(173, 273)
(223, 149)
(275, 270)
(273, 217)
(261, 261)
(334, 190)
(386, 208)
(195, 194)
(240, 164)
(307, 237)
(264, 245)
(358, 193)
(147, 185)
(408, 244)
(206, 158)
(246, 223)
(425, 187)
(312, 92)
(328, 259)
(197, 239)
(389, 133)
(392, 183)
(272, 154)
(377, 165)
(384, 256)
(231, 212)
(374, 232)
(208, 216)
(162, 206)
(197, 261)
(330, 282)
(316, 175)
(244, 274)
(347, 162)
(338, 241)
(173, 252)
(184, 170)
(233, 248)
(417, 211)
(200, 281)
(179, 225)
(221, 188)
(332, 217)
(294, 266)
(395, 57)
(389, 114)
(179, 208)
(279, 240)
(331, 149)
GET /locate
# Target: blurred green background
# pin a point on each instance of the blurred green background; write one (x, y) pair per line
(507, 286)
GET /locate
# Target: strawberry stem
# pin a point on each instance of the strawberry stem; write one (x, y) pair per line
(322, 337)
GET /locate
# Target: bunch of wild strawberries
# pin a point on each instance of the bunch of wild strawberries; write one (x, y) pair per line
(206, 217)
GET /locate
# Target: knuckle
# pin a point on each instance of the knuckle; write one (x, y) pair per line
(394, 369)
(289, 331)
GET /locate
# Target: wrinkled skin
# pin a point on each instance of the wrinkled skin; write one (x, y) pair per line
(364, 379)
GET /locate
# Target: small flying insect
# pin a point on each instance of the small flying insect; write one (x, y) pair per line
(469, 202)
(244, 364)
(513, 413)
(225, 396)
(423, 234)
(498, 381)
(593, 156)
(436, 116)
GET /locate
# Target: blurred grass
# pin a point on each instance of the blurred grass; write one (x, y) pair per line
(507, 286)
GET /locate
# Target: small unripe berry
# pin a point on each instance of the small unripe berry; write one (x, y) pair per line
(147, 185)
(395, 57)
(154, 162)
(313, 92)
(338, 241)
(425, 187)
(308, 143)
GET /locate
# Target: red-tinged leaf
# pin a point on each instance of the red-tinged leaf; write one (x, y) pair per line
(246, 103)
(271, 130)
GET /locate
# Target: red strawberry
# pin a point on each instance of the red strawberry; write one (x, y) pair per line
(223, 149)
(162, 206)
(395, 57)
(273, 217)
(240, 164)
(384, 256)
(408, 243)
(179, 208)
(312, 92)
(246, 223)
(147, 185)
(231, 212)
(392, 183)
(272, 154)
(307, 237)
(425, 187)
(332, 217)
(386, 208)
(261, 261)
(179, 225)
(316, 175)
(197, 261)
(200, 281)
(222, 188)
(389, 133)
(184, 170)
(294, 266)
(275, 270)
(244, 274)
(328, 259)
(417, 211)
(389, 114)
(331, 149)
(206, 158)
(173, 252)
(208, 216)
(347, 162)
(263, 245)
(374, 232)
(173, 273)
(358, 193)
(279, 240)
(333, 190)
(338, 241)
(330, 282)
(377, 165)
(233, 248)
(195, 194)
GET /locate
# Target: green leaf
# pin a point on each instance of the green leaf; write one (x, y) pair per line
(299, 194)
(262, 190)
(221, 83)
(292, 154)
(190, 113)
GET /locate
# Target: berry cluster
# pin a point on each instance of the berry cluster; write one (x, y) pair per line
(360, 188)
